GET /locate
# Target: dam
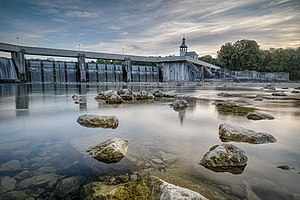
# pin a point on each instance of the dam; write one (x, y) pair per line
(111, 68)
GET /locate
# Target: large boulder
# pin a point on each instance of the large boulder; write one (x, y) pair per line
(259, 116)
(110, 151)
(95, 121)
(226, 107)
(179, 104)
(225, 158)
(228, 132)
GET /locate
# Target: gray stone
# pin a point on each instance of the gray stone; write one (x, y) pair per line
(224, 94)
(168, 157)
(144, 95)
(98, 121)
(157, 161)
(179, 104)
(110, 151)
(105, 95)
(295, 91)
(24, 174)
(225, 158)
(7, 184)
(11, 165)
(259, 116)
(133, 177)
(67, 186)
(228, 132)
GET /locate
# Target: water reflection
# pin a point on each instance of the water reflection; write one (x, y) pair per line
(22, 100)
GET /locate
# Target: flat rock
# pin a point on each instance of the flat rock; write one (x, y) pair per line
(228, 132)
(14, 195)
(224, 94)
(95, 121)
(225, 158)
(227, 107)
(259, 116)
(11, 165)
(279, 94)
(110, 151)
(179, 104)
(38, 181)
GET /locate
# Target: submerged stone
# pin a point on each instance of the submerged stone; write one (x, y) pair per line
(259, 116)
(179, 104)
(67, 186)
(95, 121)
(11, 165)
(232, 108)
(228, 132)
(7, 184)
(225, 158)
(110, 151)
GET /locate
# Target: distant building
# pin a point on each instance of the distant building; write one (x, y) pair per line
(184, 52)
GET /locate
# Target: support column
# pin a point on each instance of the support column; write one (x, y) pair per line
(82, 68)
(19, 60)
(128, 68)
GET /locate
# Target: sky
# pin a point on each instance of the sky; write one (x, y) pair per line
(150, 28)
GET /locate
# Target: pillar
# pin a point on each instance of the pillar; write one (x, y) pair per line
(82, 68)
(128, 69)
(19, 60)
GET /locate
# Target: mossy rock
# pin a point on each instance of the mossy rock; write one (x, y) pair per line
(228, 108)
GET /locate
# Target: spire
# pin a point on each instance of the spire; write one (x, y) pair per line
(183, 45)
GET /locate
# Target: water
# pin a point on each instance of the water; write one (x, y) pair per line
(7, 69)
(39, 130)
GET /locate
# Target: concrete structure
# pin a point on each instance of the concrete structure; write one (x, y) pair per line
(256, 76)
(176, 68)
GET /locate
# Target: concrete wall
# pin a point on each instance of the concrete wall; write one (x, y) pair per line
(175, 71)
(261, 76)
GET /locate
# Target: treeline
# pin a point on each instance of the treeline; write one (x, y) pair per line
(246, 55)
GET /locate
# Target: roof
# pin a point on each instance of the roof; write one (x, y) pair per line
(191, 53)
(183, 45)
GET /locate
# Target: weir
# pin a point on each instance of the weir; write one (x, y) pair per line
(117, 67)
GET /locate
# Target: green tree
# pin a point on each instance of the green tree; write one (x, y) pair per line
(225, 55)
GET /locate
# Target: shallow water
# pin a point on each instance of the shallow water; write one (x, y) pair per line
(38, 128)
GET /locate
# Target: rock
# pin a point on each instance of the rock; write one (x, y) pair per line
(109, 151)
(157, 93)
(279, 94)
(232, 108)
(133, 177)
(14, 195)
(168, 191)
(171, 94)
(67, 186)
(157, 161)
(7, 184)
(228, 132)
(259, 116)
(95, 121)
(238, 190)
(125, 91)
(144, 95)
(11, 165)
(179, 104)
(225, 158)
(168, 157)
(76, 98)
(259, 97)
(24, 174)
(224, 94)
(105, 95)
(38, 181)
(270, 87)
(284, 167)
(114, 99)
(295, 91)
(147, 188)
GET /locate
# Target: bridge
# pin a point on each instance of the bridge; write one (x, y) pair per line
(175, 68)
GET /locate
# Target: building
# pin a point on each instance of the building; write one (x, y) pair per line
(184, 52)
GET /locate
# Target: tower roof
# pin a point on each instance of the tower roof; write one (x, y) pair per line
(183, 45)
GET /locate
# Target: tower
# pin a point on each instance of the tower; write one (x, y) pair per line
(183, 47)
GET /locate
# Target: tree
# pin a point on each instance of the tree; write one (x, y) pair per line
(225, 56)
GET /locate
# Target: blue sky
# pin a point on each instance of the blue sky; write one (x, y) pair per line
(149, 27)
